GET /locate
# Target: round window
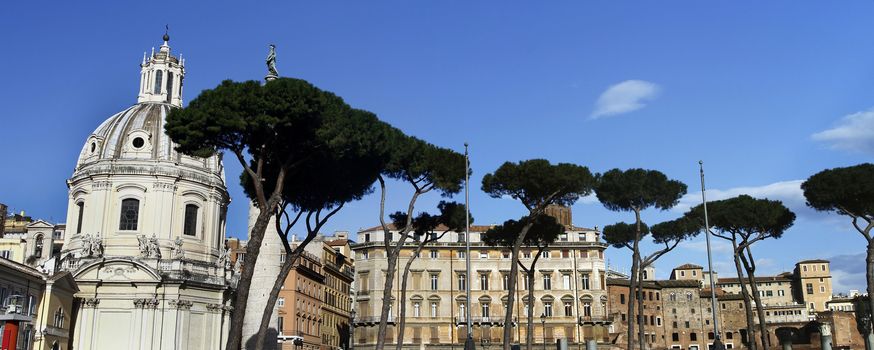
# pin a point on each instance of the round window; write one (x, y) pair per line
(138, 142)
(93, 146)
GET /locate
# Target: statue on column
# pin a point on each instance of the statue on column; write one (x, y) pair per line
(224, 257)
(143, 244)
(272, 73)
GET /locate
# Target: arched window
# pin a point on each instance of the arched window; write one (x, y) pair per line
(169, 86)
(190, 224)
(159, 77)
(130, 212)
(81, 211)
(37, 247)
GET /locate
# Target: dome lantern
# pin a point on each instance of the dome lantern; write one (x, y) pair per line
(161, 77)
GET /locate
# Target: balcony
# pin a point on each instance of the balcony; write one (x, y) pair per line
(591, 320)
(483, 320)
(369, 321)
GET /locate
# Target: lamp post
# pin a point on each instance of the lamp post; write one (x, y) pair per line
(717, 342)
(351, 329)
(543, 325)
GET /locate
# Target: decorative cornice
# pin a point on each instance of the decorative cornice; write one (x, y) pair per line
(214, 308)
(180, 304)
(90, 302)
(147, 303)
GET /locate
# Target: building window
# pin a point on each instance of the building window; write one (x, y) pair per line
(526, 254)
(547, 282)
(485, 310)
(434, 254)
(505, 254)
(81, 212)
(130, 211)
(483, 254)
(804, 268)
(822, 289)
(281, 323)
(622, 299)
(433, 282)
(547, 308)
(366, 237)
(562, 237)
(545, 254)
(59, 318)
(675, 336)
(527, 280)
(417, 309)
(505, 281)
(581, 237)
(686, 324)
(585, 283)
(673, 297)
(461, 310)
(693, 336)
(565, 253)
(169, 86)
(461, 254)
(810, 288)
(566, 281)
(365, 255)
(37, 249)
(674, 324)
(433, 309)
(159, 76)
(822, 267)
(461, 237)
(689, 296)
(658, 321)
(587, 309)
(190, 220)
(280, 301)
(462, 281)
(484, 281)
(568, 308)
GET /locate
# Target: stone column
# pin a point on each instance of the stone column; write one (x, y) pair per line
(266, 269)
(87, 336)
(825, 337)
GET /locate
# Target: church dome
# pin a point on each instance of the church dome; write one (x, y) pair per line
(134, 133)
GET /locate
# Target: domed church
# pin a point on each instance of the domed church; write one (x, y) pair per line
(146, 229)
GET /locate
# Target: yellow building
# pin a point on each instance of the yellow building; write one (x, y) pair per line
(44, 305)
(813, 284)
(569, 290)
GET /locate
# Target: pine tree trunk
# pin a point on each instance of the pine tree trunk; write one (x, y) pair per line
(632, 291)
(402, 301)
(514, 273)
(261, 337)
(391, 267)
(253, 248)
(748, 311)
(869, 275)
(530, 334)
(641, 321)
(760, 312)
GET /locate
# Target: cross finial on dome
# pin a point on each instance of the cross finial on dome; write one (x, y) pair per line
(166, 33)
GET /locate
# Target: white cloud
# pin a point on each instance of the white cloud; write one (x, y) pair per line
(855, 132)
(848, 272)
(788, 192)
(627, 96)
(717, 245)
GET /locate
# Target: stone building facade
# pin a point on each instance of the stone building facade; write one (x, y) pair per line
(300, 304)
(570, 290)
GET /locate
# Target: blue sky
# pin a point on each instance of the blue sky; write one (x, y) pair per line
(765, 93)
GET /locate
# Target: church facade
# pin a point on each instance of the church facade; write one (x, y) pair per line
(146, 229)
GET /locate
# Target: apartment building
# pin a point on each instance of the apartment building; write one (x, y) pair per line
(570, 289)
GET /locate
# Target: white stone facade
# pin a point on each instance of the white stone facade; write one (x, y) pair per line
(146, 230)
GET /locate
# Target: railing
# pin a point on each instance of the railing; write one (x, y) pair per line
(594, 319)
(483, 320)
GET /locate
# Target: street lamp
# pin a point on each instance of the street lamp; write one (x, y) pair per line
(543, 325)
(351, 328)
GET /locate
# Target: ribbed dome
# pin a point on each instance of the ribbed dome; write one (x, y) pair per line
(137, 133)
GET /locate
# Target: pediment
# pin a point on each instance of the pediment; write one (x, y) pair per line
(117, 270)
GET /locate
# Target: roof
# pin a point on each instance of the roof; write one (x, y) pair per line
(32, 272)
(473, 228)
(338, 242)
(729, 296)
(679, 283)
(812, 261)
(688, 267)
(783, 277)
(391, 226)
(625, 283)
